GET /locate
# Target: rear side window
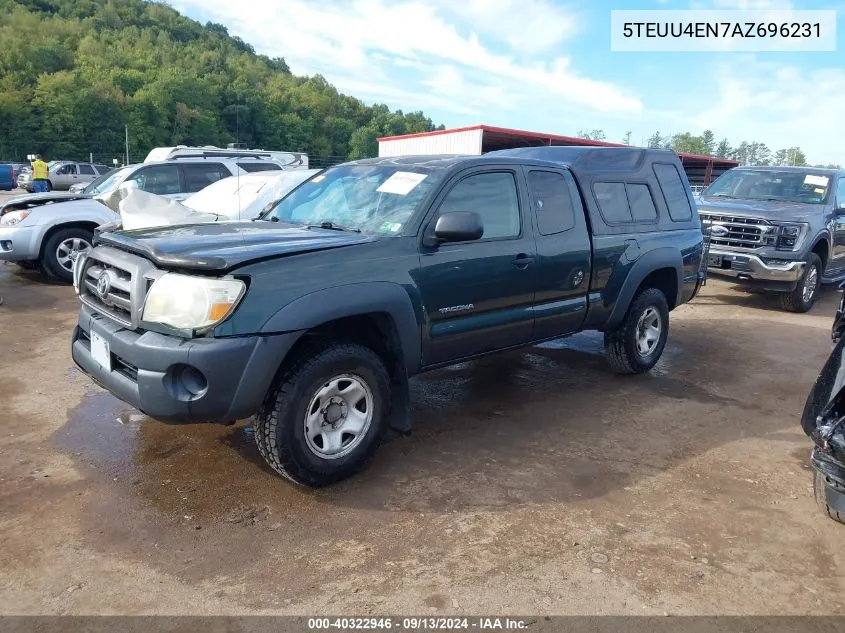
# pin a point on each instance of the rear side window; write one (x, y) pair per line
(552, 202)
(613, 202)
(641, 203)
(199, 176)
(159, 179)
(103, 169)
(259, 166)
(673, 191)
(87, 170)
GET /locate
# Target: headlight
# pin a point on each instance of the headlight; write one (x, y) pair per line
(789, 235)
(14, 217)
(191, 303)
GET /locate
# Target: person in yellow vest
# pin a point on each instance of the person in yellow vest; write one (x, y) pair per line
(40, 175)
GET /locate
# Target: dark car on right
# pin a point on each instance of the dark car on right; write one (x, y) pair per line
(777, 229)
(823, 420)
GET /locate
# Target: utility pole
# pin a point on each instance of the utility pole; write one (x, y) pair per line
(126, 129)
(90, 157)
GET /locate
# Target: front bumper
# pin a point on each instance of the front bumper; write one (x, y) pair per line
(834, 474)
(19, 243)
(147, 370)
(750, 268)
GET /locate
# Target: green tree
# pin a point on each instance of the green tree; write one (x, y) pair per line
(724, 149)
(686, 142)
(593, 135)
(73, 73)
(709, 140)
(655, 140)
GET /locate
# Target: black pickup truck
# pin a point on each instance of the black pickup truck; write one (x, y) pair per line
(313, 317)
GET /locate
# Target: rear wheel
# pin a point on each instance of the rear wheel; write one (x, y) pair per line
(61, 250)
(807, 290)
(327, 416)
(636, 345)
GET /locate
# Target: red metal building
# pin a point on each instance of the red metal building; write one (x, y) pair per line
(479, 139)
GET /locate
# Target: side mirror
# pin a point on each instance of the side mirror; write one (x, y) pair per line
(461, 226)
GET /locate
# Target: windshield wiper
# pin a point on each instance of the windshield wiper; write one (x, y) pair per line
(332, 226)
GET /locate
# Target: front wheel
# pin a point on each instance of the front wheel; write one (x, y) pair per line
(61, 250)
(807, 290)
(327, 416)
(636, 345)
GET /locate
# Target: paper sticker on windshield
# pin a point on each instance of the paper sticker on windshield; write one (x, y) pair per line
(819, 191)
(401, 183)
(820, 181)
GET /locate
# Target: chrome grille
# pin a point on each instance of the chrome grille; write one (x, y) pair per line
(115, 284)
(738, 231)
(117, 301)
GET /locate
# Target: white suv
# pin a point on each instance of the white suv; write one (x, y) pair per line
(50, 230)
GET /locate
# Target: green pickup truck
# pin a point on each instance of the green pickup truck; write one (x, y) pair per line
(313, 317)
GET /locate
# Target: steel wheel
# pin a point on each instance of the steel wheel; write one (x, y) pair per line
(811, 282)
(338, 416)
(648, 331)
(68, 250)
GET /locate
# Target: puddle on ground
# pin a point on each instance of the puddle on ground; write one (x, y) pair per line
(492, 424)
(101, 430)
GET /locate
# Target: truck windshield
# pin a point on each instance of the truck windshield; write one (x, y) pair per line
(771, 184)
(370, 198)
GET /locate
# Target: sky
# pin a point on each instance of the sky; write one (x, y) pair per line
(546, 66)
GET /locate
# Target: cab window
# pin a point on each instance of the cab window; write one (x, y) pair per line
(492, 196)
(199, 176)
(159, 179)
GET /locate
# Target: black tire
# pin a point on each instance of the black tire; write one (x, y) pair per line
(820, 494)
(620, 345)
(795, 301)
(280, 426)
(49, 260)
(49, 186)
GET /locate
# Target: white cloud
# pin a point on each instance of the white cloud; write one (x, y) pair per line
(528, 26)
(464, 53)
(743, 5)
(782, 105)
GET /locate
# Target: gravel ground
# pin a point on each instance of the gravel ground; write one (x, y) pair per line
(535, 482)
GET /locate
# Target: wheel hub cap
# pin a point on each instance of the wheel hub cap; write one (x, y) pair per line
(810, 284)
(648, 331)
(335, 411)
(338, 416)
(68, 251)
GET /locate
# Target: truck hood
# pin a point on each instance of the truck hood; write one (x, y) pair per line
(770, 210)
(30, 200)
(223, 245)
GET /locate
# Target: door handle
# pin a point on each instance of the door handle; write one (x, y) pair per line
(522, 260)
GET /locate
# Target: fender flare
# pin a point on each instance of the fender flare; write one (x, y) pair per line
(822, 237)
(646, 264)
(329, 304)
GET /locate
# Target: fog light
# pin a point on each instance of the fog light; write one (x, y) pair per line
(185, 383)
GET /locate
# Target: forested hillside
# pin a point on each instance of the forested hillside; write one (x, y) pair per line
(74, 72)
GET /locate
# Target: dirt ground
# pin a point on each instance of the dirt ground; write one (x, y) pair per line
(535, 482)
